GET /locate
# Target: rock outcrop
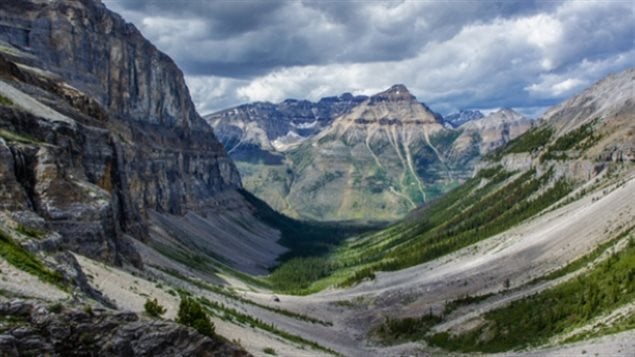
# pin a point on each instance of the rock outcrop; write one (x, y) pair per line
(492, 131)
(31, 328)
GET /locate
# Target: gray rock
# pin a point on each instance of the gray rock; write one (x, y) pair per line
(75, 332)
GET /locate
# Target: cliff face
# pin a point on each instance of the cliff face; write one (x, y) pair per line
(98, 129)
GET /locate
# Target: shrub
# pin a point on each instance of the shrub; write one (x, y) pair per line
(192, 314)
(269, 351)
(153, 308)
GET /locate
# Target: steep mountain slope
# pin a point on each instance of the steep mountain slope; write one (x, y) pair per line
(102, 144)
(376, 161)
(383, 157)
(112, 190)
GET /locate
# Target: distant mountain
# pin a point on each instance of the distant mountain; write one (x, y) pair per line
(492, 131)
(252, 131)
(378, 161)
(355, 157)
(455, 120)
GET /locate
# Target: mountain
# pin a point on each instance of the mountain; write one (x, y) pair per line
(255, 131)
(125, 230)
(455, 120)
(492, 131)
(371, 162)
(103, 145)
(373, 159)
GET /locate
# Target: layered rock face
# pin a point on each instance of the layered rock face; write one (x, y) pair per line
(98, 129)
(375, 163)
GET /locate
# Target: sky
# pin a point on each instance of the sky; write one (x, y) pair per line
(527, 55)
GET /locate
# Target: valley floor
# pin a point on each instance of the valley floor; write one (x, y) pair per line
(340, 320)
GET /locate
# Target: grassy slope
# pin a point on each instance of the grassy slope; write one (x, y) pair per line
(490, 203)
(19, 257)
(533, 320)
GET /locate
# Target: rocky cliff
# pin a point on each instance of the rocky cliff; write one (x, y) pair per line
(492, 131)
(98, 131)
(461, 117)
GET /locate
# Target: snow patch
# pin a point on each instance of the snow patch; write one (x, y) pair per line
(310, 125)
(287, 141)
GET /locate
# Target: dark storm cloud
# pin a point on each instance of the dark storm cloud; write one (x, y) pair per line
(266, 35)
(455, 54)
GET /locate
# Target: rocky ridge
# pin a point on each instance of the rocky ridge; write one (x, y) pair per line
(256, 131)
(492, 131)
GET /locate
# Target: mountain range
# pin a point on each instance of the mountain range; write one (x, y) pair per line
(366, 158)
(125, 227)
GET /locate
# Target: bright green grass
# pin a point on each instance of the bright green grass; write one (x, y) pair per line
(19, 257)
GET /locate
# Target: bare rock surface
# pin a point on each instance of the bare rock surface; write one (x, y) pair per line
(28, 327)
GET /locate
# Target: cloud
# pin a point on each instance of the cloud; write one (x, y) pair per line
(523, 54)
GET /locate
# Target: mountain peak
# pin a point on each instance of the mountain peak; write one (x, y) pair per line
(398, 88)
(396, 92)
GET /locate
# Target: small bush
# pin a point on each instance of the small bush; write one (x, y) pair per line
(153, 308)
(269, 351)
(191, 314)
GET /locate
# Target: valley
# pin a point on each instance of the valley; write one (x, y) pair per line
(351, 226)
